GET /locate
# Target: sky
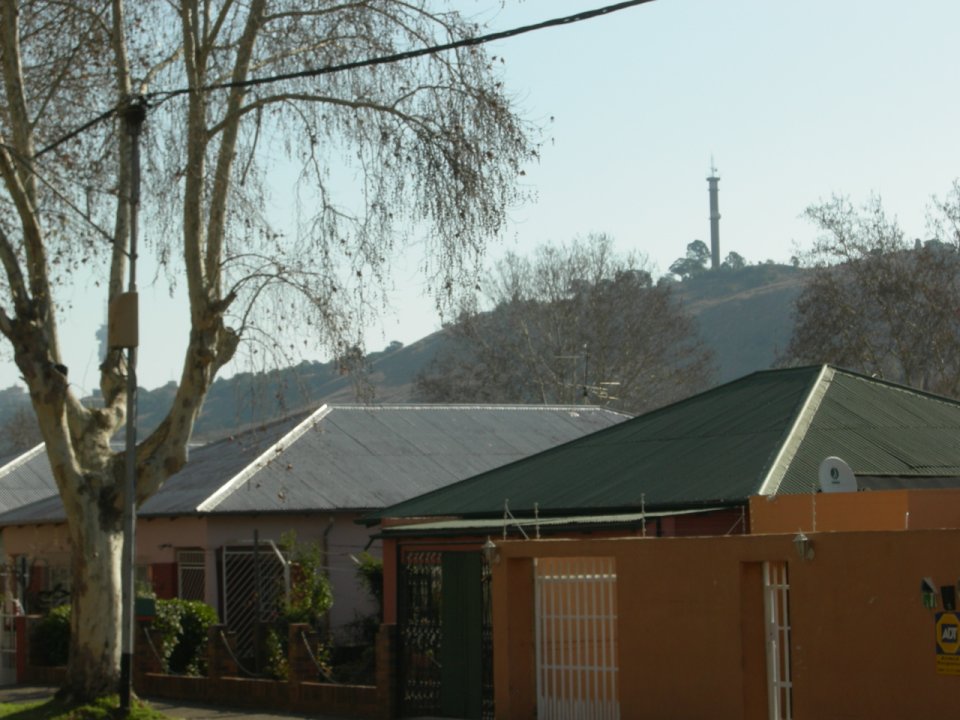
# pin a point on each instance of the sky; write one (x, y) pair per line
(792, 102)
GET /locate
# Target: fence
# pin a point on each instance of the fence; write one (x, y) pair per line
(225, 685)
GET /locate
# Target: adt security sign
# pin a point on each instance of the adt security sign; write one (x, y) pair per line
(948, 643)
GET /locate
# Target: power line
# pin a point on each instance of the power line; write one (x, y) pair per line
(163, 96)
(83, 128)
(410, 54)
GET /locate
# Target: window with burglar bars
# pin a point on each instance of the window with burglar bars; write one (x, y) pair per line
(776, 595)
(191, 575)
(576, 638)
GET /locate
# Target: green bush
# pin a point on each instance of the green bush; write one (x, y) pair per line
(310, 598)
(51, 637)
(182, 627)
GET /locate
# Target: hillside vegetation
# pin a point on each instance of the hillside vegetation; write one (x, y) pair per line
(745, 317)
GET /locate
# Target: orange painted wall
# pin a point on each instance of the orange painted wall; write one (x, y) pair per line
(691, 624)
(872, 510)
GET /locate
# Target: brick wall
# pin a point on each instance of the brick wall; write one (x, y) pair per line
(225, 686)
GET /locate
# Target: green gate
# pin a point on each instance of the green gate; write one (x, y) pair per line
(446, 649)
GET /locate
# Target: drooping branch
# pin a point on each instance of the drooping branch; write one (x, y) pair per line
(227, 153)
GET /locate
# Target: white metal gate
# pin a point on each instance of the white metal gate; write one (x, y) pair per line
(776, 596)
(576, 638)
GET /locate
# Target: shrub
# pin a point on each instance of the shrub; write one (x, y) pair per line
(309, 600)
(51, 637)
(182, 627)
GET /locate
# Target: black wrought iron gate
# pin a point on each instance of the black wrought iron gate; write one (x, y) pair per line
(446, 666)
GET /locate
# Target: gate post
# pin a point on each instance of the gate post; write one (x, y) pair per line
(386, 675)
(220, 663)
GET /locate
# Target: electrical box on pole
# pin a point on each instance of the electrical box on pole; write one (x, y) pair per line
(123, 327)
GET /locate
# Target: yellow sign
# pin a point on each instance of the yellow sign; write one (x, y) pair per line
(948, 643)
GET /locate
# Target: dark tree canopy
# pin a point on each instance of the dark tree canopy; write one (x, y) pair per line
(734, 261)
(694, 262)
(574, 324)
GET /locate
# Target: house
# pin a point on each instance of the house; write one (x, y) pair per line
(212, 532)
(685, 470)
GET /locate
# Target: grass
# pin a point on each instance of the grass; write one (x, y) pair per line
(53, 709)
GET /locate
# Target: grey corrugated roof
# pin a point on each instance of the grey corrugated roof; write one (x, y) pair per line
(26, 479)
(766, 433)
(363, 457)
(351, 458)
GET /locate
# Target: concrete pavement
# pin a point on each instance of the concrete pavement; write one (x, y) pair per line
(172, 708)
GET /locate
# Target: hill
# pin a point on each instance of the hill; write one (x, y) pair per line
(745, 316)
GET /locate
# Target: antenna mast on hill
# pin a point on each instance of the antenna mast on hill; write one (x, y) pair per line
(712, 182)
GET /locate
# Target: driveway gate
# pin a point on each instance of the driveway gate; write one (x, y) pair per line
(576, 638)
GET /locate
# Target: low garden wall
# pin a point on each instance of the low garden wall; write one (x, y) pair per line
(226, 684)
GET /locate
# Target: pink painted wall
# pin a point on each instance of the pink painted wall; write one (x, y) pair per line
(158, 540)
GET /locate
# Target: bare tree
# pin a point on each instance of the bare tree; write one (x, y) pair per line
(574, 324)
(430, 143)
(19, 432)
(878, 303)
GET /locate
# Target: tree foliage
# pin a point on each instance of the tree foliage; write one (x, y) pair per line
(431, 144)
(878, 303)
(574, 324)
(694, 262)
(734, 261)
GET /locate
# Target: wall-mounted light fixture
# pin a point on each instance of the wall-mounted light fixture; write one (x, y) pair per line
(803, 546)
(490, 552)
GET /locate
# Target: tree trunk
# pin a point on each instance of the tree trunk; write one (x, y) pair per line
(96, 535)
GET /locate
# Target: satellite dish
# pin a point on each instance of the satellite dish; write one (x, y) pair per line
(836, 476)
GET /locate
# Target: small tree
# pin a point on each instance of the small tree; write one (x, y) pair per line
(694, 262)
(734, 261)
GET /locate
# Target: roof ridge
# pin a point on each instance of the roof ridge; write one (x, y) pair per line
(218, 495)
(791, 441)
(22, 459)
(477, 406)
(894, 385)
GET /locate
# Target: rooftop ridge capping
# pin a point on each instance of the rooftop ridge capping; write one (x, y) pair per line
(900, 387)
(216, 497)
(22, 459)
(792, 439)
(478, 406)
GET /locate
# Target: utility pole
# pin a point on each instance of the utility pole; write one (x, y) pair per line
(124, 331)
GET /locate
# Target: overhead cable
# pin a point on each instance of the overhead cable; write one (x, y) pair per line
(162, 96)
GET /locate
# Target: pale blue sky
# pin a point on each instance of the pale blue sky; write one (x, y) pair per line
(794, 101)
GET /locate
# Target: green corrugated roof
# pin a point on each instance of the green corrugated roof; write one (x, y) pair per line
(766, 433)
(713, 448)
(879, 429)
